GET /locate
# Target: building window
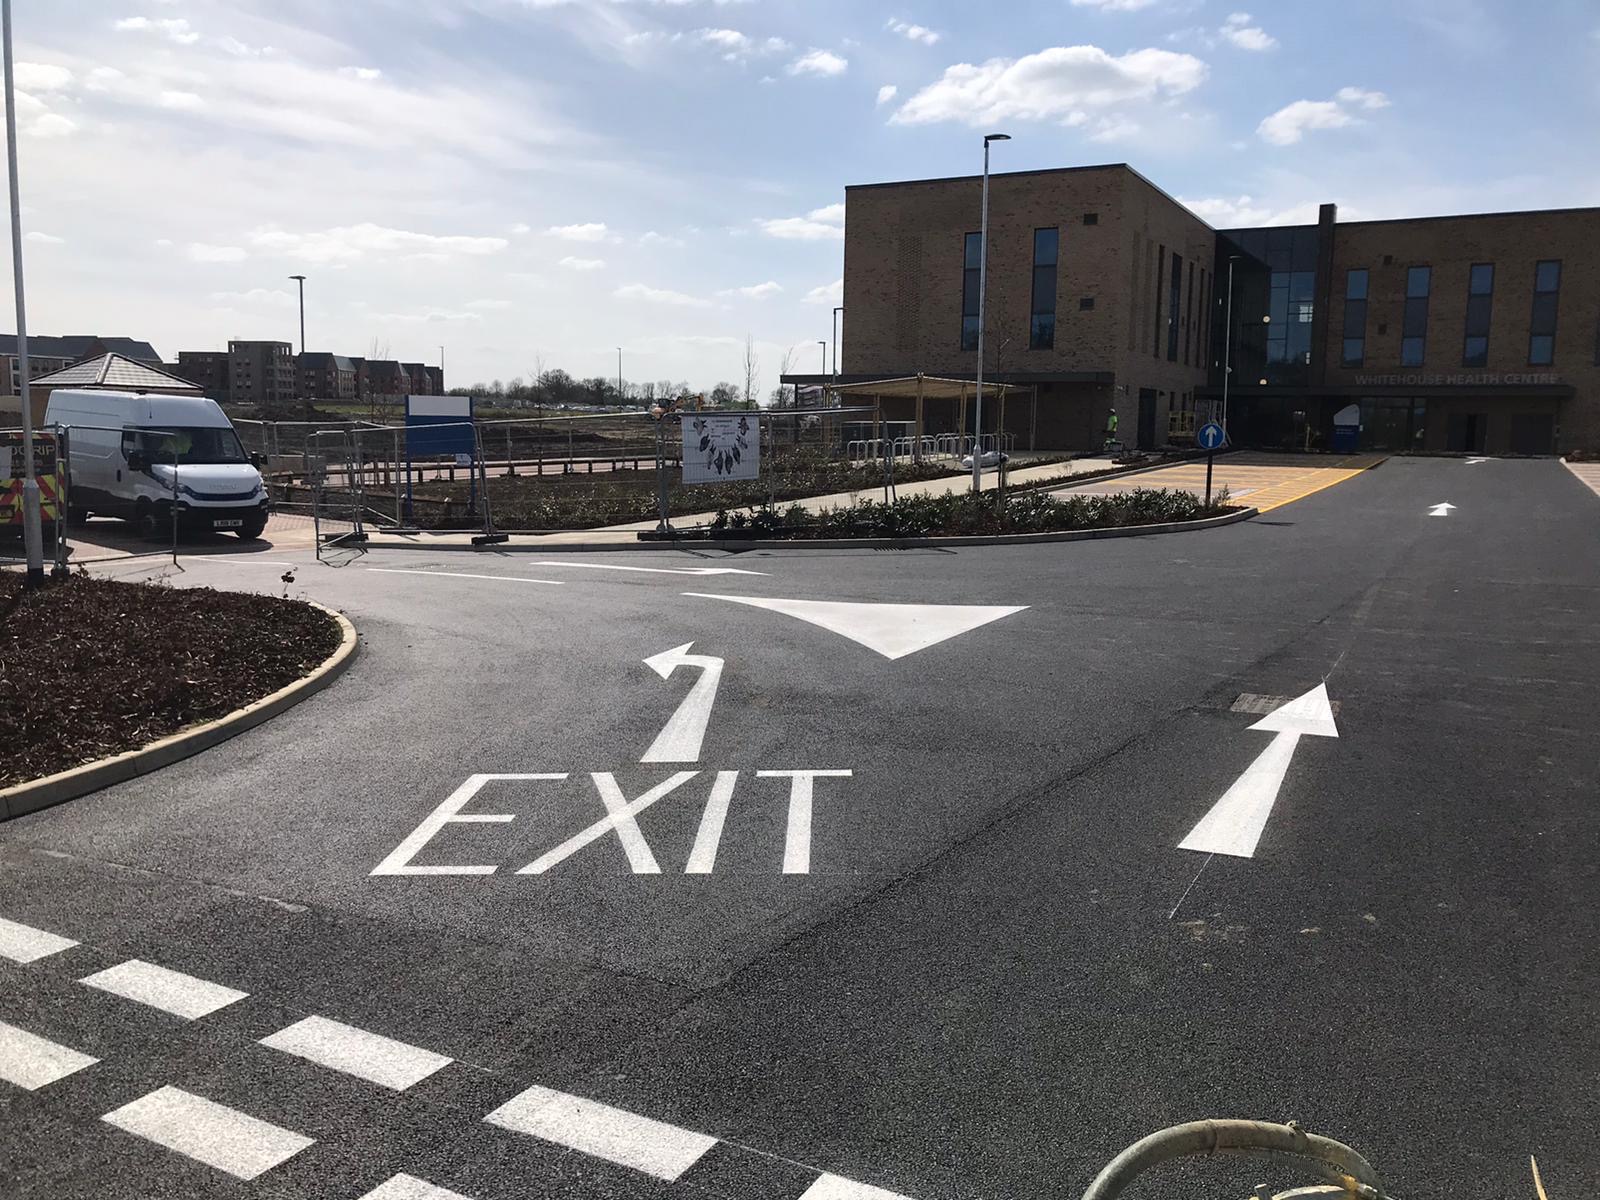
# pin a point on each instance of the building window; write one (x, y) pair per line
(1291, 310)
(970, 272)
(1174, 298)
(1414, 331)
(1542, 330)
(1161, 266)
(1188, 319)
(1480, 300)
(1085, 303)
(1091, 218)
(1042, 324)
(1354, 352)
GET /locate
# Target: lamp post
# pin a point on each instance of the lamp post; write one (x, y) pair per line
(1227, 343)
(839, 309)
(824, 347)
(983, 279)
(619, 374)
(32, 522)
(301, 280)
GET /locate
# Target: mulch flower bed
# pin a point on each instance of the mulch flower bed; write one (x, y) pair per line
(92, 667)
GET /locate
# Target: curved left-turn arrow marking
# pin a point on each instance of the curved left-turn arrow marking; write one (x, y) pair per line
(679, 740)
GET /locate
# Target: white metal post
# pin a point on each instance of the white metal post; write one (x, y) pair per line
(983, 280)
(1227, 343)
(32, 526)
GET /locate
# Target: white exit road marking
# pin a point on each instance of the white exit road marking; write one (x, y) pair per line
(170, 991)
(797, 838)
(464, 575)
(652, 1147)
(449, 810)
(30, 1061)
(219, 1136)
(409, 1187)
(619, 818)
(370, 1056)
(679, 740)
(648, 570)
(893, 630)
(836, 1187)
(1440, 510)
(1235, 823)
(25, 944)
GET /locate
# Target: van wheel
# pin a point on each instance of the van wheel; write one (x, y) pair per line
(76, 515)
(250, 533)
(151, 527)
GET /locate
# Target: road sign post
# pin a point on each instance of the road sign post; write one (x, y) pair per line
(1209, 437)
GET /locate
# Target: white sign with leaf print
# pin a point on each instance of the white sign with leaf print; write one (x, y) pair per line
(721, 447)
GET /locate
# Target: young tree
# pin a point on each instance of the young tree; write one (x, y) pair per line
(780, 394)
(724, 395)
(752, 372)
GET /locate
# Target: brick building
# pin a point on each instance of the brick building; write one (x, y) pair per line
(420, 383)
(327, 376)
(261, 373)
(1475, 333)
(207, 370)
(47, 353)
(385, 378)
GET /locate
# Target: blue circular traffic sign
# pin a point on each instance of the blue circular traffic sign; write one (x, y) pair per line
(1211, 436)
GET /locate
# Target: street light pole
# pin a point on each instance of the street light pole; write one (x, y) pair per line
(32, 523)
(983, 279)
(824, 346)
(619, 374)
(301, 280)
(836, 313)
(1227, 343)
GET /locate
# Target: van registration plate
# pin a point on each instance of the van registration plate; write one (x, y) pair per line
(234, 523)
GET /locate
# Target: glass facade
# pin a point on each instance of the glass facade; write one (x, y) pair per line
(1161, 267)
(1174, 298)
(971, 270)
(1042, 322)
(1414, 331)
(1353, 352)
(1480, 302)
(1274, 303)
(1542, 330)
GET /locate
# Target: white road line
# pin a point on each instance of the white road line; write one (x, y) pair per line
(25, 944)
(219, 1136)
(653, 1147)
(231, 559)
(837, 1187)
(648, 570)
(620, 819)
(464, 575)
(703, 856)
(170, 991)
(31, 1062)
(409, 1187)
(369, 1056)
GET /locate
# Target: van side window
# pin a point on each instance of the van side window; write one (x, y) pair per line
(130, 442)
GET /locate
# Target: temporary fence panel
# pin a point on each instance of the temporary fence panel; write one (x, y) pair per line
(156, 517)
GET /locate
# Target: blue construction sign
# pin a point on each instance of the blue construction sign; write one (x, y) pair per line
(438, 426)
(1210, 436)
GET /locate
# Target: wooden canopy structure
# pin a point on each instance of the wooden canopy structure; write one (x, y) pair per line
(922, 388)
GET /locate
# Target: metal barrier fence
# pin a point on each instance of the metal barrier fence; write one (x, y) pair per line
(156, 521)
(954, 446)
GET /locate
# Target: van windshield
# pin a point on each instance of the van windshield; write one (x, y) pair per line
(187, 445)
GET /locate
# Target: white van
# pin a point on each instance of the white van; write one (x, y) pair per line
(128, 452)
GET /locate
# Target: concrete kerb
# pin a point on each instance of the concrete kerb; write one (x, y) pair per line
(91, 777)
(868, 543)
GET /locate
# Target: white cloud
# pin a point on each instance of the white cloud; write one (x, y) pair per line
(346, 243)
(45, 239)
(731, 42)
(1114, 5)
(431, 316)
(582, 264)
(1238, 30)
(818, 62)
(592, 231)
(651, 238)
(256, 298)
(887, 93)
(41, 77)
(1291, 122)
(522, 227)
(639, 291)
(174, 29)
(48, 125)
(1060, 84)
(363, 73)
(184, 101)
(818, 225)
(756, 291)
(204, 252)
(489, 305)
(1113, 129)
(827, 293)
(914, 33)
(1244, 212)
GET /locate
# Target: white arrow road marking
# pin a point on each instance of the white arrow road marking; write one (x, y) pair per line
(1472, 462)
(679, 740)
(650, 570)
(464, 575)
(1235, 822)
(893, 630)
(1440, 510)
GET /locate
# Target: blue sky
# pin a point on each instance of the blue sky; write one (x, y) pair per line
(537, 182)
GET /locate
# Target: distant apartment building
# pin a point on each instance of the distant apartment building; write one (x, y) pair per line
(261, 373)
(435, 381)
(386, 378)
(327, 376)
(417, 374)
(47, 353)
(207, 370)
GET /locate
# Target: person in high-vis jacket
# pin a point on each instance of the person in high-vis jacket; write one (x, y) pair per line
(1111, 427)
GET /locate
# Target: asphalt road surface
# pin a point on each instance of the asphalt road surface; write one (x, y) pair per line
(512, 866)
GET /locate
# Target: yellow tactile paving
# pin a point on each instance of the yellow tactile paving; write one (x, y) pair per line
(1266, 481)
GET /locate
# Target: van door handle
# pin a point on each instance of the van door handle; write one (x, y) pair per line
(119, 474)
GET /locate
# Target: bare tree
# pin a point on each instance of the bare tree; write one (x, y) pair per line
(538, 379)
(752, 372)
(785, 365)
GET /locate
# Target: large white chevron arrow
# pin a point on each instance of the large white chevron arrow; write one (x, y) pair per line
(1234, 824)
(679, 740)
(1440, 510)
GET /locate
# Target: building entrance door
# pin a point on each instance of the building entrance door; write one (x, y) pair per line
(1464, 433)
(1532, 433)
(1147, 419)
